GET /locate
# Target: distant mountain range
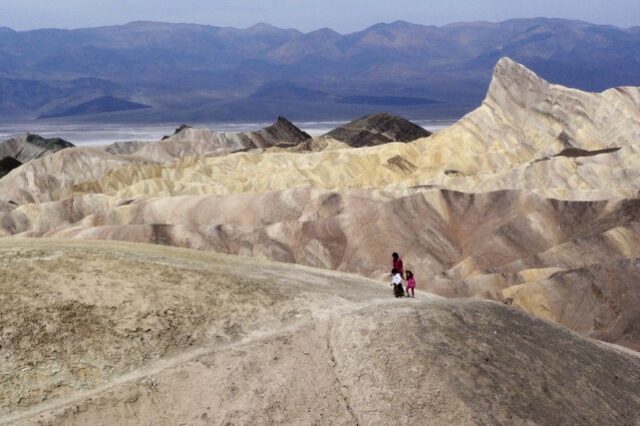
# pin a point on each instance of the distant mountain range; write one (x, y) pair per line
(188, 72)
(100, 105)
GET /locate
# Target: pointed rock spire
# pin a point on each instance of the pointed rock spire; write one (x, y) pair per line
(513, 82)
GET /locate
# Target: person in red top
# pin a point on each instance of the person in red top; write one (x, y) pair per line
(397, 264)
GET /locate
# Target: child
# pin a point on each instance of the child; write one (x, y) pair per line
(411, 284)
(396, 282)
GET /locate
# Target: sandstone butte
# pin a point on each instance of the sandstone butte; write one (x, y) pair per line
(531, 199)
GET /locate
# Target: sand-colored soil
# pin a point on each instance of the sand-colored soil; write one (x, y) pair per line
(117, 333)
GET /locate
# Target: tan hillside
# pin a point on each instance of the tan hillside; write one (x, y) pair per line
(48, 178)
(509, 142)
(528, 134)
(459, 245)
(147, 334)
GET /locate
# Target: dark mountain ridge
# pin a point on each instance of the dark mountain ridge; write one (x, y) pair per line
(377, 129)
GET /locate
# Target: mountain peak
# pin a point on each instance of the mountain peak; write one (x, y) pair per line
(286, 131)
(325, 31)
(512, 80)
(508, 67)
(262, 27)
(376, 129)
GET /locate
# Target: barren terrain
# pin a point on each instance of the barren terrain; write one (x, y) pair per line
(531, 201)
(107, 332)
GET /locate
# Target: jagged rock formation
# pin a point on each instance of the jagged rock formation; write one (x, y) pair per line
(377, 129)
(511, 141)
(29, 147)
(281, 132)
(188, 141)
(7, 164)
(537, 183)
(136, 335)
(525, 118)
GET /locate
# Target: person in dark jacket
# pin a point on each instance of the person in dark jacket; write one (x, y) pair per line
(397, 264)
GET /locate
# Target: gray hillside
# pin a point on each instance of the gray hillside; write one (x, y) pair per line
(25, 148)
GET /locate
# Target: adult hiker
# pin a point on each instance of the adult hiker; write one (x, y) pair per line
(396, 282)
(397, 264)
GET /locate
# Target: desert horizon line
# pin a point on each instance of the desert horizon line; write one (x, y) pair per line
(265, 24)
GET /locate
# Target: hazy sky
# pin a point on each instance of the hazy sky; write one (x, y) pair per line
(306, 15)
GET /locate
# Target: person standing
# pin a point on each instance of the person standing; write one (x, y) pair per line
(411, 284)
(397, 264)
(396, 282)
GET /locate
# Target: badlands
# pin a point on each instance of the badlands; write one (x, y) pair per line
(530, 202)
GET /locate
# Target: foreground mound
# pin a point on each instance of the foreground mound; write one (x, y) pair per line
(116, 333)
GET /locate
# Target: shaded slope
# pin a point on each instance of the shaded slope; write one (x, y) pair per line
(30, 147)
(378, 129)
(598, 300)
(7, 164)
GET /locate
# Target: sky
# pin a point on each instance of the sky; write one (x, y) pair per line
(306, 15)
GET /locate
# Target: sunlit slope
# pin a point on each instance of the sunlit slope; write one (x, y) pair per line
(527, 134)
